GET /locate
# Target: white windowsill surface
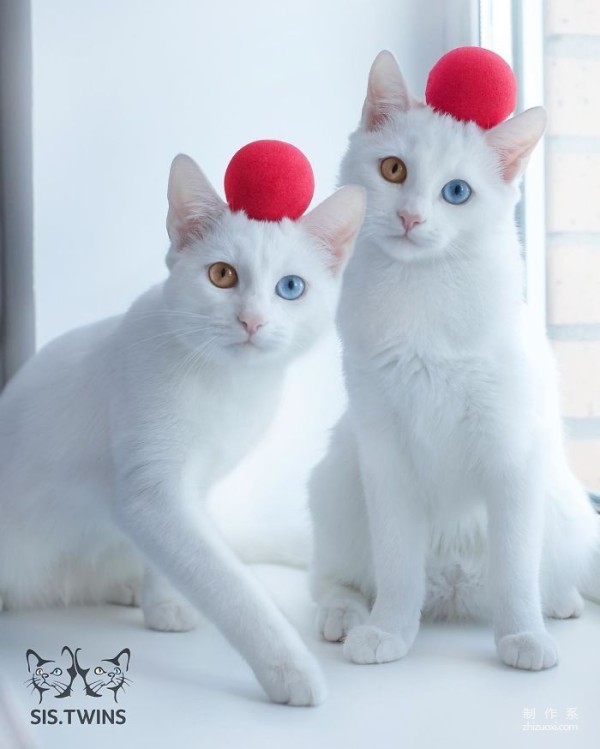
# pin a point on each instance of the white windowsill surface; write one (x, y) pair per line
(193, 690)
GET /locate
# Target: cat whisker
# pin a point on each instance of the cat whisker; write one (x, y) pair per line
(169, 334)
(170, 313)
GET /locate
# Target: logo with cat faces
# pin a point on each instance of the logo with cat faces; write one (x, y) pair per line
(65, 676)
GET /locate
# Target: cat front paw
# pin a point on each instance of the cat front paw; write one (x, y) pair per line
(171, 616)
(531, 651)
(297, 682)
(368, 644)
(337, 617)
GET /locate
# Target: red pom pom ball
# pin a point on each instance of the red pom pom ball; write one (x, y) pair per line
(471, 83)
(269, 180)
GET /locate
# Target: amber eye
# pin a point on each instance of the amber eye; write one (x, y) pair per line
(223, 275)
(393, 169)
(99, 670)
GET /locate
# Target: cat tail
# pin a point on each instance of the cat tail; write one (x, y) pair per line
(271, 543)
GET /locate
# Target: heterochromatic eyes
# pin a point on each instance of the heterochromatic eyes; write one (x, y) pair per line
(456, 191)
(393, 169)
(290, 287)
(99, 670)
(223, 275)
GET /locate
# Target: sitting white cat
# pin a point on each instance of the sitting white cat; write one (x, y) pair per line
(446, 491)
(111, 436)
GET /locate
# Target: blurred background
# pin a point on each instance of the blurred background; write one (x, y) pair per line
(99, 95)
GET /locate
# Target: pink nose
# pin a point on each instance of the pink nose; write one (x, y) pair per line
(410, 219)
(251, 324)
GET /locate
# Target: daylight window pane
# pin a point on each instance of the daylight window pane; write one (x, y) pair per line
(572, 72)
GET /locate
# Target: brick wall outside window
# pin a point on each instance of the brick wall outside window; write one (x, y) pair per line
(572, 80)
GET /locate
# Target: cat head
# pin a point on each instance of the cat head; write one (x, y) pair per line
(252, 290)
(108, 675)
(54, 676)
(433, 183)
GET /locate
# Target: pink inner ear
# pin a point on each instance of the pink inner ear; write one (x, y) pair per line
(182, 229)
(510, 166)
(514, 161)
(377, 109)
(515, 139)
(337, 241)
(336, 221)
(387, 92)
(374, 116)
(185, 232)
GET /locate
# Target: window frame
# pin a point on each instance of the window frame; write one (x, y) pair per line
(515, 30)
(17, 294)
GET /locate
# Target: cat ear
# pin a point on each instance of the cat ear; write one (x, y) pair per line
(335, 223)
(387, 92)
(194, 206)
(515, 139)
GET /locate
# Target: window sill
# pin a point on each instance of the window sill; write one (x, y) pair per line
(193, 690)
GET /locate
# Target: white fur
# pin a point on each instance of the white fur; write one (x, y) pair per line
(446, 491)
(112, 435)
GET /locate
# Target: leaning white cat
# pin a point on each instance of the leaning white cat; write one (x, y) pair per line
(446, 491)
(113, 432)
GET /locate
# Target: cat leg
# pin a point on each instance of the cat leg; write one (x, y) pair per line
(567, 604)
(515, 525)
(164, 608)
(198, 562)
(341, 566)
(125, 593)
(341, 610)
(398, 539)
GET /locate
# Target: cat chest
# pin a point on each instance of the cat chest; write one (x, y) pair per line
(444, 407)
(226, 420)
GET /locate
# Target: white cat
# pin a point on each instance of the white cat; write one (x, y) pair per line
(113, 433)
(446, 491)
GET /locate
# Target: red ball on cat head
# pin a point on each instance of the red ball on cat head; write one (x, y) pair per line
(269, 180)
(472, 84)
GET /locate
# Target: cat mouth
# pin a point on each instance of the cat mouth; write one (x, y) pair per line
(252, 343)
(415, 242)
(403, 238)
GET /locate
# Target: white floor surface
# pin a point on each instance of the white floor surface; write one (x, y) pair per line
(193, 690)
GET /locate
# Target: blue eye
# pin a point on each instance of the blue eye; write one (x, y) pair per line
(456, 191)
(57, 671)
(290, 287)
